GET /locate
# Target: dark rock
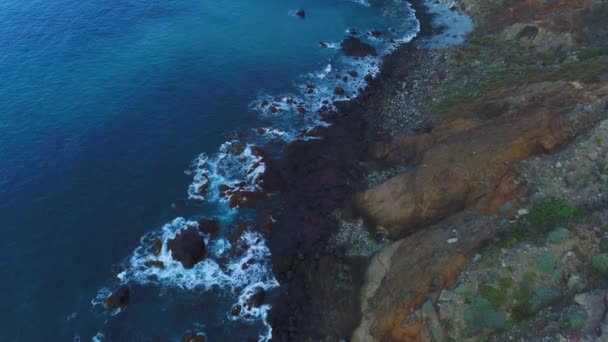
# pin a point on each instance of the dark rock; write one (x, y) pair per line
(238, 231)
(256, 298)
(529, 32)
(301, 110)
(187, 247)
(301, 14)
(353, 73)
(368, 78)
(193, 337)
(354, 47)
(236, 310)
(208, 226)
(339, 91)
(157, 246)
(375, 33)
(155, 263)
(118, 299)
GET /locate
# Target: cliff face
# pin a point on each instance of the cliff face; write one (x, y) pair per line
(531, 79)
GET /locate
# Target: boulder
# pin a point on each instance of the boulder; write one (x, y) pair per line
(118, 299)
(354, 47)
(193, 337)
(301, 13)
(208, 226)
(339, 91)
(157, 246)
(255, 298)
(187, 247)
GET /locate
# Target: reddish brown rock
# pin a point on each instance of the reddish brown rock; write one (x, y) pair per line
(339, 91)
(236, 310)
(468, 161)
(193, 337)
(157, 246)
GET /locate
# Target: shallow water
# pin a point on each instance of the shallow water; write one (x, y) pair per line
(104, 105)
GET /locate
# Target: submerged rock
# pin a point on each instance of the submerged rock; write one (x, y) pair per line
(354, 47)
(187, 247)
(118, 299)
(301, 14)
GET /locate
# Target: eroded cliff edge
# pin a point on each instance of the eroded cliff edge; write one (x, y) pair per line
(461, 197)
(531, 79)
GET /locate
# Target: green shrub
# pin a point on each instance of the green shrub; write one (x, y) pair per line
(481, 315)
(599, 264)
(558, 235)
(543, 297)
(551, 213)
(604, 245)
(575, 320)
(589, 53)
(496, 296)
(545, 262)
(522, 309)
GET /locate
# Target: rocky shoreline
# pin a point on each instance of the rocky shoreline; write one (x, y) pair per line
(444, 156)
(320, 280)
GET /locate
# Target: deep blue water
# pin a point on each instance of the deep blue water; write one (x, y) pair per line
(103, 105)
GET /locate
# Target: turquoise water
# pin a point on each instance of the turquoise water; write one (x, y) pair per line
(104, 105)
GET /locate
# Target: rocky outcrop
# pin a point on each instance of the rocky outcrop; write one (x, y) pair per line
(118, 299)
(467, 162)
(403, 273)
(193, 337)
(354, 47)
(187, 247)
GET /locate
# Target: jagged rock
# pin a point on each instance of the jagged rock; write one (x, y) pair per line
(208, 226)
(256, 298)
(354, 47)
(118, 299)
(187, 247)
(157, 246)
(194, 337)
(400, 277)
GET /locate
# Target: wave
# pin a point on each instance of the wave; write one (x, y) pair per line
(240, 266)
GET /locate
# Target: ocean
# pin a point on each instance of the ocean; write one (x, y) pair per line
(118, 125)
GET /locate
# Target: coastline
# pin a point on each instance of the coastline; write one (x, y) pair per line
(321, 298)
(431, 155)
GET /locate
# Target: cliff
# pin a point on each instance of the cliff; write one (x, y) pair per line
(530, 80)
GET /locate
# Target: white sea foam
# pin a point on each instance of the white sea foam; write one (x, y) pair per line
(240, 267)
(99, 337)
(142, 267)
(342, 79)
(235, 165)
